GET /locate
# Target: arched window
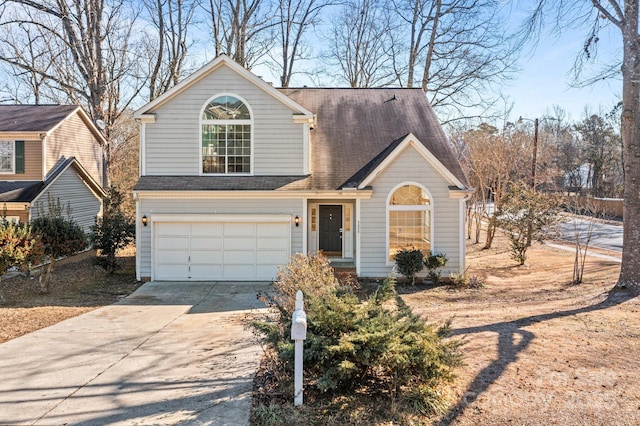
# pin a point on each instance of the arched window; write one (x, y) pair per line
(226, 136)
(409, 219)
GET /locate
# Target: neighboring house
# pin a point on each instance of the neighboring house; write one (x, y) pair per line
(237, 176)
(50, 152)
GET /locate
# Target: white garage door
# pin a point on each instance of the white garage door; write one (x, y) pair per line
(201, 251)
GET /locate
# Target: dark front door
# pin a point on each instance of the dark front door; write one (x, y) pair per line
(331, 230)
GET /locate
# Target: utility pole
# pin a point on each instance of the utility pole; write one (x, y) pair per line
(535, 149)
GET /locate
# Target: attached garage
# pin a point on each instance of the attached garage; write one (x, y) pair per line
(240, 248)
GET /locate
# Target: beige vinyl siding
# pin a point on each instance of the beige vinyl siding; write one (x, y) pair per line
(72, 138)
(172, 143)
(149, 207)
(409, 166)
(72, 191)
(32, 161)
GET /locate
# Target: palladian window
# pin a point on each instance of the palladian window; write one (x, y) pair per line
(409, 219)
(226, 137)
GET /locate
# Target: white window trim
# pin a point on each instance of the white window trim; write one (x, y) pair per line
(13, 161)
(202, 122)
(427, 207)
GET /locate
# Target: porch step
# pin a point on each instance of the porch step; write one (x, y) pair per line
(341, 268)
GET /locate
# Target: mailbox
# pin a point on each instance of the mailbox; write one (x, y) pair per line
(299, 325)
(299, 319)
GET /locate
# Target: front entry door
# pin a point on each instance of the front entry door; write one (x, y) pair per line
(330, 241)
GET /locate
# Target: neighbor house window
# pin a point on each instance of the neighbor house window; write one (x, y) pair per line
(409, 219)
(7, 163)
(226, 137)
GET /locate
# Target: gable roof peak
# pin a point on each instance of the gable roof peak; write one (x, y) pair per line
(220, 61)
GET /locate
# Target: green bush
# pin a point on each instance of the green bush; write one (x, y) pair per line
(17, 244)
(409, 263)
(112, 232)
(378, 347)
(60, 235)
(433, 263)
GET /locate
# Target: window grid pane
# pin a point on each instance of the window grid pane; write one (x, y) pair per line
(6, 156)
(226, 148)
(409, 229)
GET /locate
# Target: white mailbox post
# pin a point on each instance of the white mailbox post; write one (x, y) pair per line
(299, 334)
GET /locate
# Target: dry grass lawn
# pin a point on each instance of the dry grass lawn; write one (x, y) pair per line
(77, 287)
(538, 350)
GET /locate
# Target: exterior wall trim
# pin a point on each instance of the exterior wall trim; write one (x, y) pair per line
(411, 140)
(209, 217)
(429, 208)
(364, 194)
(202, 122)
(221, 60)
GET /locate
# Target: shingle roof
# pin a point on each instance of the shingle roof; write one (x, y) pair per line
(354, 126)
(221, 183)
(27, 191)
(32, 118)
(356, 130)
(19, 191)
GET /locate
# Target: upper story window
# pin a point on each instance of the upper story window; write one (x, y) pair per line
(7, 156)
(409, 219)
(226, 136)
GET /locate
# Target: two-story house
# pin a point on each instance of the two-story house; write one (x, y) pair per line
(236, 176)
(50, 151)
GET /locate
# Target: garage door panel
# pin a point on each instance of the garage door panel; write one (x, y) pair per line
(206, 271)
(239, 243)
(266, 272)
(172, 272)
(239, 229)
(242, 250)
(205, 230)
(272, 229)
(239, 271)
(173, 243)
(239, 257)
(212, 243)
(204, 257)
(271, 257)
(169, 229)
(281, 243)
(173, 256)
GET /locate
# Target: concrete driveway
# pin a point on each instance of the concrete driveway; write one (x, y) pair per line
(169, 353)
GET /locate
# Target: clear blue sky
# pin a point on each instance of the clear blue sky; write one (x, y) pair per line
(546, 76)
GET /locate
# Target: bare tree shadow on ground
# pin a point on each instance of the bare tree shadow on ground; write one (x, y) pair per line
(512, 341)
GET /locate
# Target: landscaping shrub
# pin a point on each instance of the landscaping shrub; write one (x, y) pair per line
(409, 263)
(464, 280)
(112, 232)
(60, 235)
(17, 244)
(433, 263)
(527, 216)
(378, 347)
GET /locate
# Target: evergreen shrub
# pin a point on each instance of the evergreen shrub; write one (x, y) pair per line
(378, 346)
(409, 263)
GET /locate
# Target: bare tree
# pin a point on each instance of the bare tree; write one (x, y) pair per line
(360, 42)
(600, 152)
(455, 49)
(242, 29)
(295, 19)
(623, 14)
(491, 174)
(168, 47)
(90, 52)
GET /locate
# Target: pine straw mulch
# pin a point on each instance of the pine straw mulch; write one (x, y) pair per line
(78, 286)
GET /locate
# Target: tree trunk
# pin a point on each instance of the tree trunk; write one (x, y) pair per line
(630, 270)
